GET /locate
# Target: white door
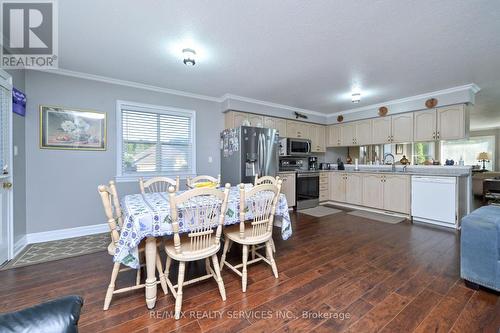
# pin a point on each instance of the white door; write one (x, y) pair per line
(5, 164)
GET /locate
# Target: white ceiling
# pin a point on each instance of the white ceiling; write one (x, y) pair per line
(305, 54)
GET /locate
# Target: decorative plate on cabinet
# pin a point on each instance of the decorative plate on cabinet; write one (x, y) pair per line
(382, 111)
(340, 118)
(431, 103)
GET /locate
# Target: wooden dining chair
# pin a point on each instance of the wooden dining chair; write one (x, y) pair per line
(203, 211)
(158, 184)
(191, 182)
(262, 200)
(266, 180)
(259, 181)
(111, 204)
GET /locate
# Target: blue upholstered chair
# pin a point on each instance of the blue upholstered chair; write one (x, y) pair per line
(480, 247)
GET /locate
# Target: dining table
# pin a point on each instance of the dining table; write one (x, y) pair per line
(147, 216)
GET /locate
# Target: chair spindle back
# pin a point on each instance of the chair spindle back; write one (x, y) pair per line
(158, 184)
(266, 180)
(203, 210)
(112, 209)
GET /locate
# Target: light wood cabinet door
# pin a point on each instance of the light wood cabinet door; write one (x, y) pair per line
(424, 128)
(348, 134)
(292, 129)
(281, 126)
(288, 187)
(337, 182)
(402, 128)
(333, 136)
(239, 119)
(354, 188)
(451, 122)
(373, 191)
(397, 193)
(276, 123)
(317, 136)
(381, 130)
(256, 120)
(363, 132)
(305, 130)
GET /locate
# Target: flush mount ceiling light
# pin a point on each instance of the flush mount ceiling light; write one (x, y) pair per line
(356, 97)
(189, 56)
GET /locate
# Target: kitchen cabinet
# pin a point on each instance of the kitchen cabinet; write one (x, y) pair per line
(337, 185)
(373, 191)
(381, 130)
(402, 128)
(324, 185)
(451, 123)
(234, 119)
(348, 134)
(333, 136)
(397, 193)
(363, 133)
(276, 123)
(288, 187)
(317, 136)
(446, 123)
(353, 188)
(424, 125)
(296, 129)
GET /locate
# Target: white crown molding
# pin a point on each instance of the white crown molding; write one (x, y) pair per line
(225, 97)
(474, 88)
(126, 83)
(47, 236)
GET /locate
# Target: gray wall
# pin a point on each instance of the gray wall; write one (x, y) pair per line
(19, 163)
(62, 189)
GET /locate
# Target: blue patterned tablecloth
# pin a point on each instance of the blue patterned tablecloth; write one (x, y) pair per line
(148, 215)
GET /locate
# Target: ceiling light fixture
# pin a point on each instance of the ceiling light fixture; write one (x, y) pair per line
(189, 56)
(356, 97)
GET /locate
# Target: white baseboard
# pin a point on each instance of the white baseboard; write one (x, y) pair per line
(19, 245)
(47, 236)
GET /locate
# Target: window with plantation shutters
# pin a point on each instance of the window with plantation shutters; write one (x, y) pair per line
(155, 140)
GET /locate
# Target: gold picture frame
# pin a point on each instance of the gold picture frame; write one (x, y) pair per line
(65, 128)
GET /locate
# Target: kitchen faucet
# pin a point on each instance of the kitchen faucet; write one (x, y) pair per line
(393, 161)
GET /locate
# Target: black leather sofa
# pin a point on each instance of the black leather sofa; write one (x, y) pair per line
(56, 316)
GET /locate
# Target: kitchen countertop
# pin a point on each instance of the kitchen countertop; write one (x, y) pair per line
(441, 171)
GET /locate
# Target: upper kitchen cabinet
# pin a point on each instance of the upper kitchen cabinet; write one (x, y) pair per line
(363, 132)
(348, 134)
(235, 119)
(318, 137)
(452, 122)
(297, 129)
(402, 128)
(446, 123)
(381, 130)
(424, 125)
(333, 136)
(277, 123)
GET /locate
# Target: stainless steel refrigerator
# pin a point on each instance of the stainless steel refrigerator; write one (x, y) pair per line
(247, 152)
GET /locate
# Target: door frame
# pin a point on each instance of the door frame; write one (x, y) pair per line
(6, 82)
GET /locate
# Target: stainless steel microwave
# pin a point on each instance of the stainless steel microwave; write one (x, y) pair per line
(295, 147)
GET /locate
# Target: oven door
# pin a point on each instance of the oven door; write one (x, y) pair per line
(307, 189)
(299, 147)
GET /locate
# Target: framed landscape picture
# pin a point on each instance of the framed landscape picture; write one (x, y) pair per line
(67, 128)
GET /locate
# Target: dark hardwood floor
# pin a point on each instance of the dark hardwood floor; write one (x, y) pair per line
(337, 273)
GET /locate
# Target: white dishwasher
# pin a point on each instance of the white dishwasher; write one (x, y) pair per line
(433, 200)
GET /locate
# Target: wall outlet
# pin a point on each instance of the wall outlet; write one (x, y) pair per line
(210, 159)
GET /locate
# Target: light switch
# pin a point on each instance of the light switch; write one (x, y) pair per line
(15, 150)
(210, 159)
